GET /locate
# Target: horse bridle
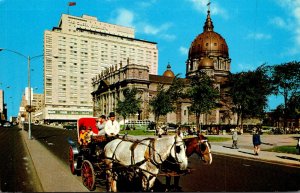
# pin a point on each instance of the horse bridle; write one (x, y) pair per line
(176, 150)
(204, 143)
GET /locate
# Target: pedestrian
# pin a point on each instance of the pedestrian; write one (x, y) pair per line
(298, 145)
(112, 127)
(101, 124)
(234, 139)
(256, 141)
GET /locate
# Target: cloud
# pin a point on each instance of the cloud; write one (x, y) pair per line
(159, 31)
(201, 6)
(146, 4)
(279, 22)
(259, 36)
(124, 18)
(128, 18)
(149, 29)
(168, 37)
(293, 19)
(183, 50)
(154, 30)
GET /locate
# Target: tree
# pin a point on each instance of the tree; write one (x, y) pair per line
(249, 92)
(163, 102)
(286, 82)
(130, 105)
(203, 95)
(176, 89)
(293, 106)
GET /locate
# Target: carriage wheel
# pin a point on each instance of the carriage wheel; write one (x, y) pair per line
(88, 175)
(73, 162)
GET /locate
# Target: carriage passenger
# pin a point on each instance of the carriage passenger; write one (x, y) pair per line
(101, 125)
(85, 135)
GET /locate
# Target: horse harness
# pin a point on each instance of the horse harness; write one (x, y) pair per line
(149, 154)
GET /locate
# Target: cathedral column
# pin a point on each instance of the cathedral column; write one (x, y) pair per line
(217, 116)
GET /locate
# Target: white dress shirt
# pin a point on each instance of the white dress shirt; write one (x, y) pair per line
(112, 128)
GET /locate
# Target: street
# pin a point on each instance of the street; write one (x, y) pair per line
(225, 174)
(237, 174)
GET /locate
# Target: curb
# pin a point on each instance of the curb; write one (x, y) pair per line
(39, 186)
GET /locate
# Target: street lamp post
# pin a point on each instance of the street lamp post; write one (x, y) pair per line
(29, 108)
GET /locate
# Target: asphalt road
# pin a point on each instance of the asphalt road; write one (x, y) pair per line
(232, 174)
(226, 173)
(17, 173)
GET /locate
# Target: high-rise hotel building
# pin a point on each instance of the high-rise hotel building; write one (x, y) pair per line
(78, 50)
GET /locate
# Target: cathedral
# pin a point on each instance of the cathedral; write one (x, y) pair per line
(208, 53)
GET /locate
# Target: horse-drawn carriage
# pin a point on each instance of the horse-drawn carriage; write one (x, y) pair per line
(94, 157)
(86, 154)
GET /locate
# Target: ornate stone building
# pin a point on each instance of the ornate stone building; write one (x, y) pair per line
(109, 85)
(208, 53)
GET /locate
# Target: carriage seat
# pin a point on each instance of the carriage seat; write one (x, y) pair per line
(99, 138)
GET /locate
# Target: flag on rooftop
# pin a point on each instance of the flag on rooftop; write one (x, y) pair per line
(72, 3)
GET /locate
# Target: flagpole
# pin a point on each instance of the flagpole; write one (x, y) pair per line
(70, 4)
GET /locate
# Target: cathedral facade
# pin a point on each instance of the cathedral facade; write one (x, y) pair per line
(208, 53)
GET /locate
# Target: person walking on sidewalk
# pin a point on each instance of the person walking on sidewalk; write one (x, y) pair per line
(234, 139)
(298, 145)
(256, 141)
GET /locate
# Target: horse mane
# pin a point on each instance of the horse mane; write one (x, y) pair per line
(158, 144)
(202, 137)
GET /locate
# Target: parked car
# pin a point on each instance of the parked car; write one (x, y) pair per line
(7, 124)
(70, 126)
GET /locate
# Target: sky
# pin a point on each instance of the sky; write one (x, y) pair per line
(256, 32)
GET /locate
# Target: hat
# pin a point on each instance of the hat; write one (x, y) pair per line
(111, 114)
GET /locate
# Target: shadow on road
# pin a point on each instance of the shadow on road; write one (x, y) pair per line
(267, 143)
(246, 152)
(45, 137)
(229, 147)
(289, 158)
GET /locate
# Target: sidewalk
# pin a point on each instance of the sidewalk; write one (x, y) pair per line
(268, 141)
(53, 174)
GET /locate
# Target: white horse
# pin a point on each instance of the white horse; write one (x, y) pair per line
(146, 155)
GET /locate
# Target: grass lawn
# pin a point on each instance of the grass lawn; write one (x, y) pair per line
(151, 133)
(284, 149)
(137, 132)
(217, 139)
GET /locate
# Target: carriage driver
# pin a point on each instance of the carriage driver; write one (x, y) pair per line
(112, 127)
